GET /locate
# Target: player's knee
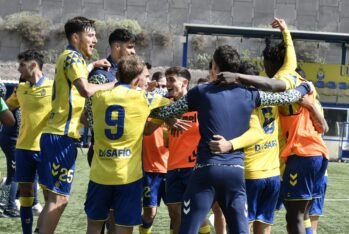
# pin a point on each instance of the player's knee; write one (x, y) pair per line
(149, 216)
(58, 200)
(26, 190)
(175, 214)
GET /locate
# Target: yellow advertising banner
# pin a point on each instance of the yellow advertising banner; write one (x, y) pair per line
(331, 81)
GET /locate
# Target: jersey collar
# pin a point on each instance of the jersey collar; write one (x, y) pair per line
(39, 83)
(71, 47)
(122, 84)
(112, 62)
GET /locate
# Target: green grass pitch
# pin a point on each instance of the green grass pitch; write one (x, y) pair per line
(74, 218)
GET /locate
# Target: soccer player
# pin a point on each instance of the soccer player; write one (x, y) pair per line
(182, 150)
(317, 204)
(155, 156)
(220, 176)
(122, 43)
(301, 129)
(116, 171)
(8, 138)
(262, 174)
(316, 209)
(33, 97)
(58, 151)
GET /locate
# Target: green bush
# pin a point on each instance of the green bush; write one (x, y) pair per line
(197, 43)
(200, 61)
(143, 39)
(32, 27)
(162, 38)
(110, 25)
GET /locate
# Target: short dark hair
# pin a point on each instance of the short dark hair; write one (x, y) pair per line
(148, 65)
(227, 58)
(301, 72)
(201, 80)
(157, 76)
(78, 24)
(178, 71)
(275, 54)
(121, 35)
(129, 67)
(248, 68)
(30, 55)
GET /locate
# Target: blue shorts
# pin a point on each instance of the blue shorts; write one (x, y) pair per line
(224, 184)
(176, 184)
(317, 207)
(262, 196)
(27, 165)
(303, 176)
(125, 200)
(154, 189)
(57, 168)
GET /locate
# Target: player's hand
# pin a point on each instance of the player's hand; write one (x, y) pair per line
(279, 23)
(152, 86)
(226, 78)
(307, 101)
(102, 63)
(177, 126)
(219, 145)
(312, 87)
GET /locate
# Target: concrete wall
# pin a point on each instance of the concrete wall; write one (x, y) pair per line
(169, 15)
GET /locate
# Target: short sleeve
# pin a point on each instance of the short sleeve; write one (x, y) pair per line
(12, 101)
(75, 67)
(155, 100)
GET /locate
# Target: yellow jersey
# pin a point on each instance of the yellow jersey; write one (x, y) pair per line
(67, 104)
(35, 104)
(119, 116)
(262, 158)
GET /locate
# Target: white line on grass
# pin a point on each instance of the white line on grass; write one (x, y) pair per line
(336, 199)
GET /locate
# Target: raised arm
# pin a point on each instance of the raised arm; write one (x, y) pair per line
(290, 60)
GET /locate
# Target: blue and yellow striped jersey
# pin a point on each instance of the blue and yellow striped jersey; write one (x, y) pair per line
(119, 116)
(67, 104)
(35, 104)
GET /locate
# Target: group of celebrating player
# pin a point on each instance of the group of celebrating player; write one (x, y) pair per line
(216, 145)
